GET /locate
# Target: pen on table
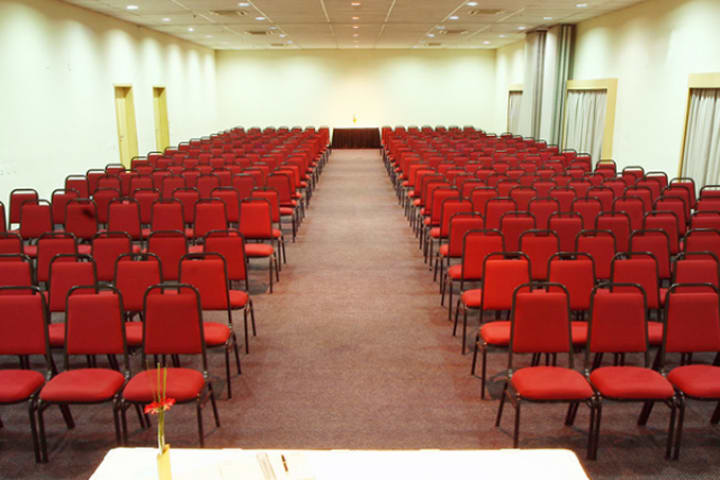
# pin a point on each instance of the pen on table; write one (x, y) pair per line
(282, 457)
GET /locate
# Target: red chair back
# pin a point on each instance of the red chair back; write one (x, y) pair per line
(169, 246)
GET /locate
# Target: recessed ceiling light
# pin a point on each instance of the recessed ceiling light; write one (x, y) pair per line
(290, 41)
(356, 34)
(355, 27)
(208, 36)
(440, 27)
(259, 19)
(521, 27)
(243, 4)
(272, 28)
(547, 18)
(472, 4)
(282, 35)
(356, 18)
(355, 4)
(453, 17)
(581, 5)
(431, 35)
(166, 19)
(486, 42)
(501, 35)
(132, 7)
(191, 29)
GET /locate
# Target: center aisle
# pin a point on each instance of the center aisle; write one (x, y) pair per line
(354, 350)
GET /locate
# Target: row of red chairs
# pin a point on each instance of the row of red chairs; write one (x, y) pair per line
(503, 249)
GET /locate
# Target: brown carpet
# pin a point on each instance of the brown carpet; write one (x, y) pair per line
(354, 351)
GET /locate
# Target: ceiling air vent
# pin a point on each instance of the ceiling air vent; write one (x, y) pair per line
(454, 31)
(277, 44)
(229, 13)
(258, 33)
(475, 12)
(434, 44)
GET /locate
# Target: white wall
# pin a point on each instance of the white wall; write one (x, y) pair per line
(651, 48)
(59, 64)
(509, 69)
(378, 87)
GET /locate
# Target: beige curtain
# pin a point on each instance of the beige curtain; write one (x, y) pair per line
(701, 158)
(513, 115)
(585, 121)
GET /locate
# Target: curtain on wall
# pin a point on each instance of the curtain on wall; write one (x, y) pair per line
(585, 121)
(557, 72)
(701, 158)
(513, 115)
(531, 108)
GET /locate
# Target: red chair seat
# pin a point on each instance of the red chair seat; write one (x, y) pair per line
(84, 385)
(56, 332)
(496, 333)
(258, 250)
(472, 298)
(663, 295)
(286, 211)
(655, 333)
(195, 249)
(17, 385)
(215, 333)
(455, 272)
(435, 232)
(183, 384)
(134, 333)
(416, 203)
(84, 249)
(276, 233)
(292, 204)
(443, 250)
(551, 383)
(579, 332)
(137, 248)
(238, 299)
(30, 250)
(701, 381)
(631, 383)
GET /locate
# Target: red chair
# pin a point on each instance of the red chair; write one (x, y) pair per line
(539, 246)
(696, 267)
(35, 219)
(666, 221)
(502, 272)
(205, 184)
(169, 184)
(540, 323)
(702, 240)
(102, 198)
(564, 196)
(188, 197)
(256, 226)
(106, 248)
(601, 246)
(173, 325)
(705, 219)
(23, 331)
(94, 326)
(243, 184)
(480, 196)
(134, 274)
(619, 224)
(81, 218)
(677, 206)
(66, 271)
(618, 325)
(644, 193)
(604, 195)
(656, 242)
(477, 244)
(78, 183)
(459, 225)
(146, 198)
(439, 234)
(169, 246)
(124, 216)
(59, 199)
(543, 208)
(210, 214)
(495, 208)
(692, 316)
(169, 215)
(49, 245)
(588, 208)
(566, 225)
(16, 270)
(207, 272)
(18, 197)
(231, 199)
(271, 196)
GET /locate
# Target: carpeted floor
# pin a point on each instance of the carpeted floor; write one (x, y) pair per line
(354, 351)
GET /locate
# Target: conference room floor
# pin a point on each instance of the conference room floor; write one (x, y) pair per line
(354, 351)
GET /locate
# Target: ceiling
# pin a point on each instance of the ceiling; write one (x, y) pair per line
(283, 24)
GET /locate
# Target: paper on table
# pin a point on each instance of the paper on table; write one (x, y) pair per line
(243, 466)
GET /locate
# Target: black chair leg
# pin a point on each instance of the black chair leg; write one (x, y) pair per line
(214, 405)
(516, 430)
(645, 413)
(716, 415)
(33, 430)
(227, 371)
(201, 433)
(678, 430)
(502, 404)
(67, 416)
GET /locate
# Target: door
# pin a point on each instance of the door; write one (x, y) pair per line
(127, 131)
(162, 132)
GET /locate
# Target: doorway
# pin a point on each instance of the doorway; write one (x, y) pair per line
(162, 132)
(127, 131)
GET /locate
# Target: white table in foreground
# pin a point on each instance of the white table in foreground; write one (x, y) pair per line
(226, 464)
